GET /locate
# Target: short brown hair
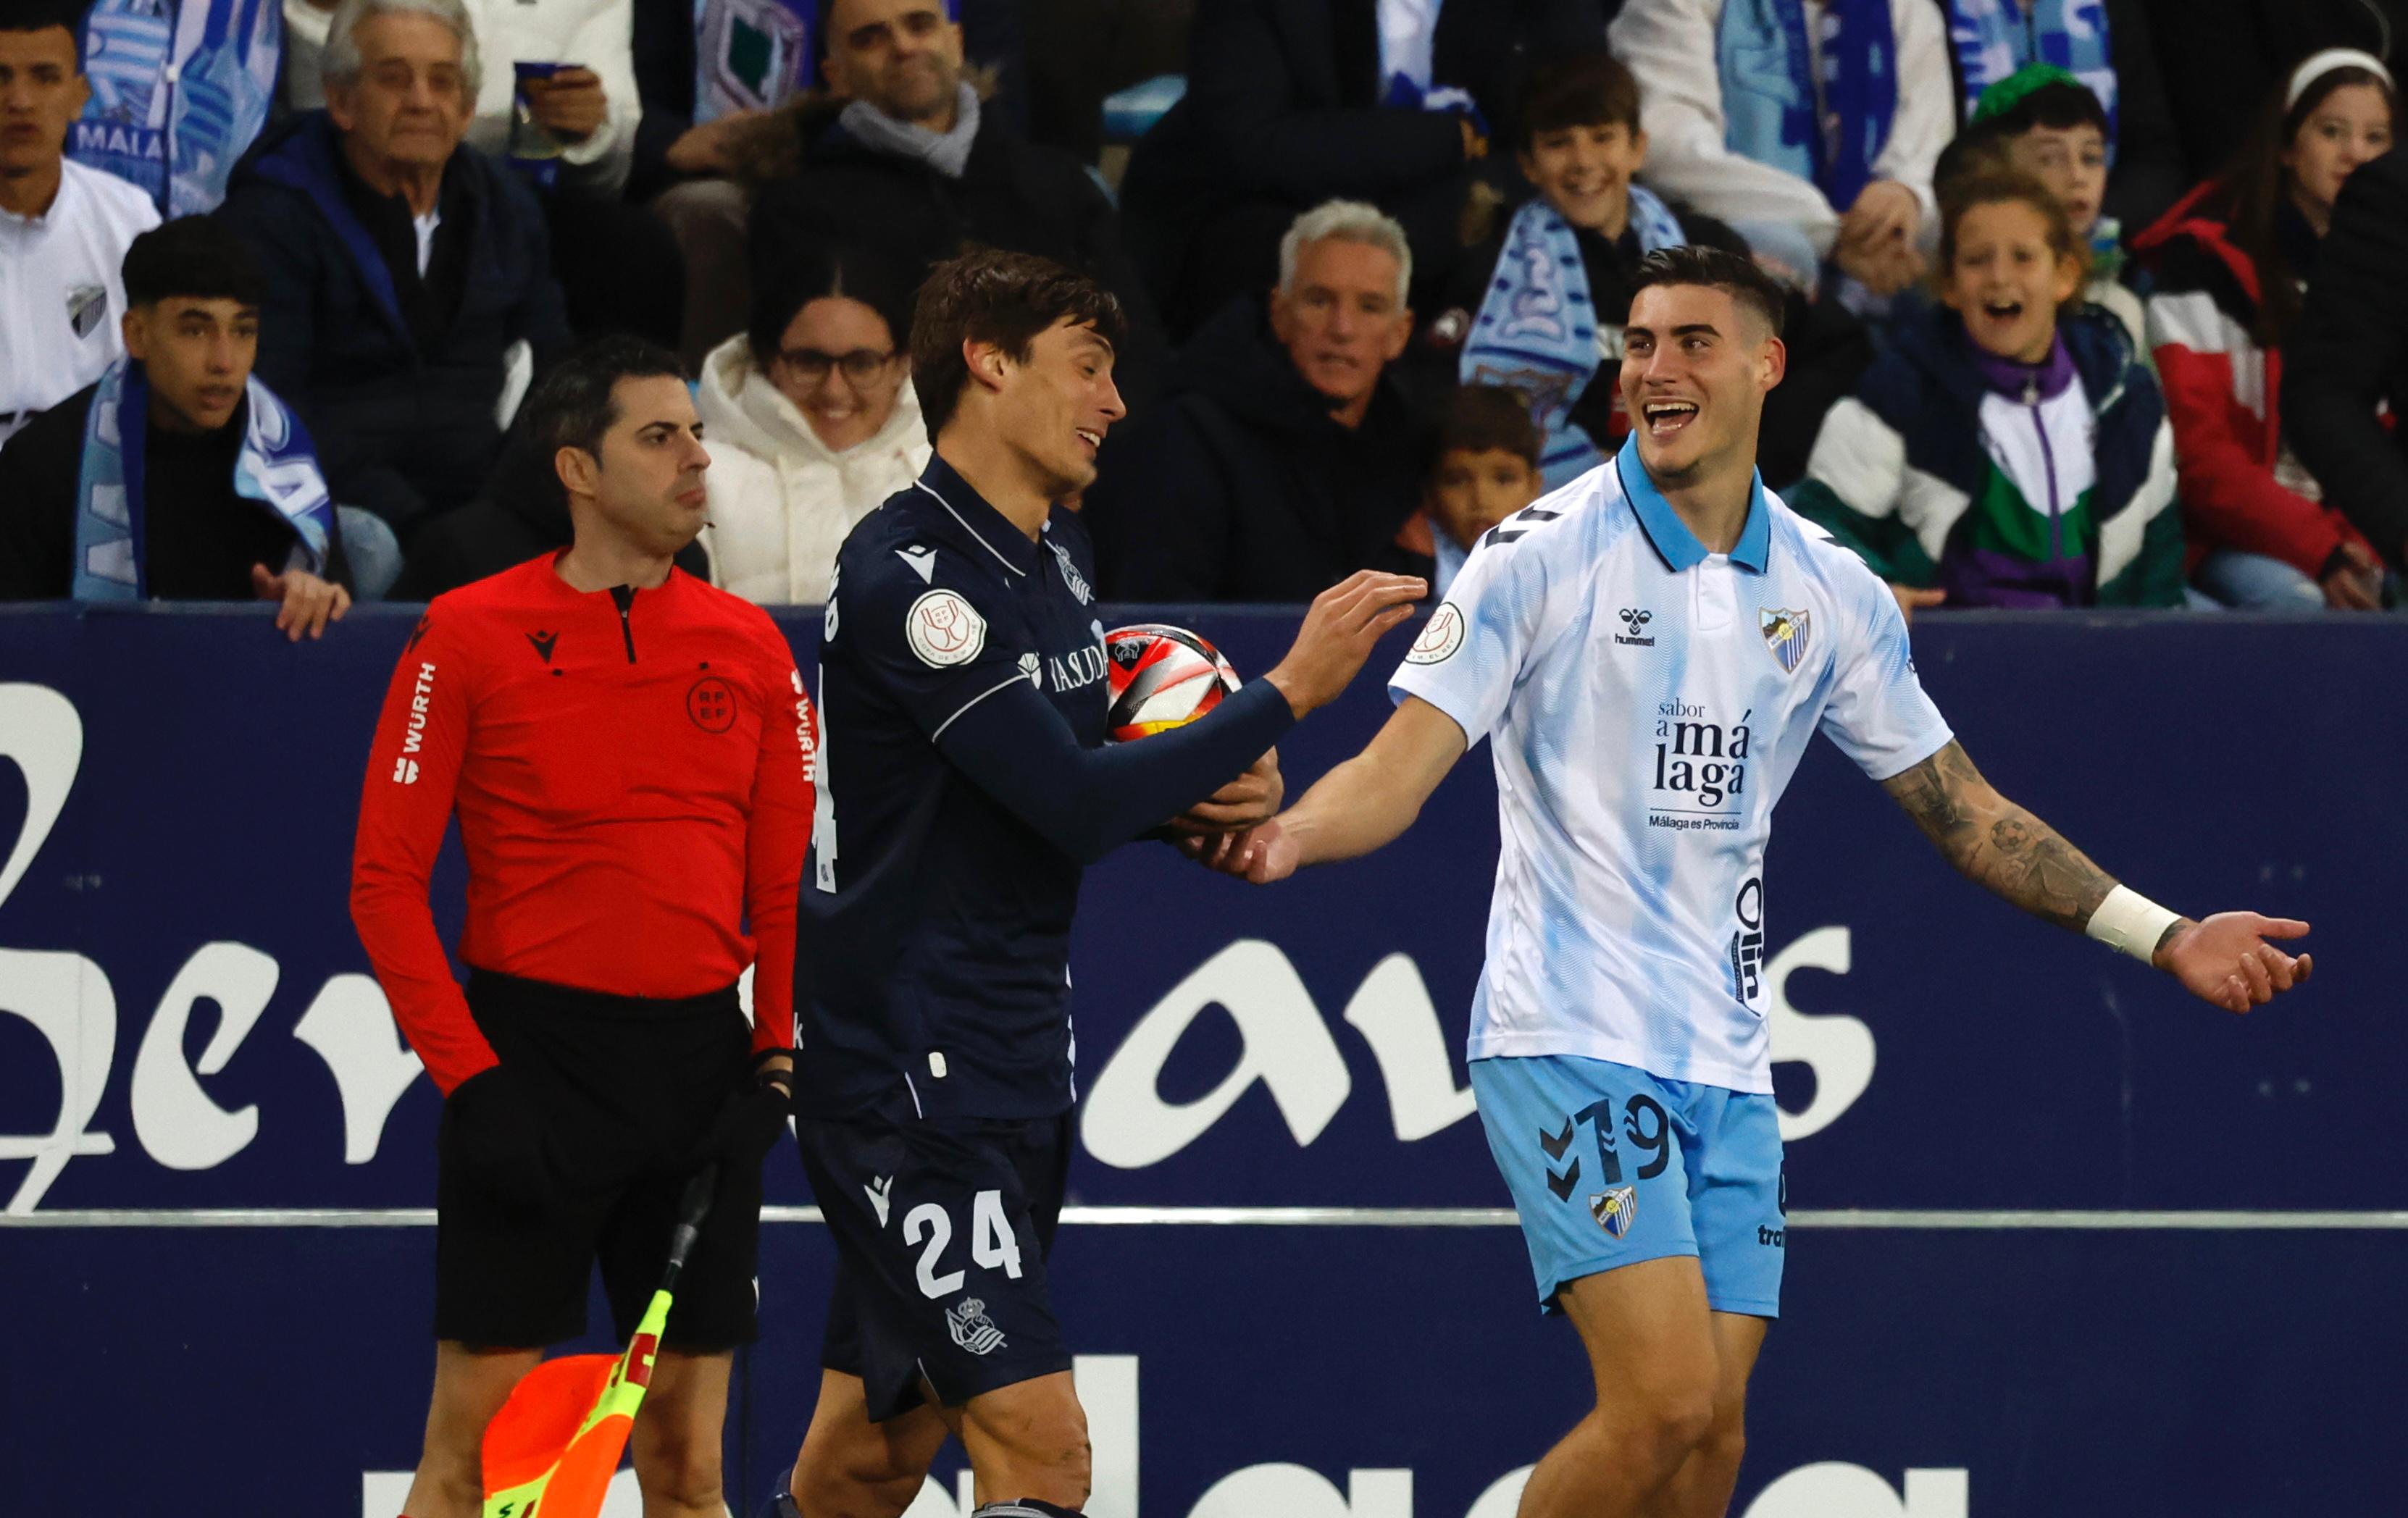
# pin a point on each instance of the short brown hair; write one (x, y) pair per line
(1987, 185)
(1734, 274)
(988, 296)
(1583, 89)
(1481, 418)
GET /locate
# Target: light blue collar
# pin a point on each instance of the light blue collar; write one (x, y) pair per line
(1671, 536)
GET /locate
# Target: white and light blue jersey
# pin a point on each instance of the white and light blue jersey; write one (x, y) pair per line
(1646, 703)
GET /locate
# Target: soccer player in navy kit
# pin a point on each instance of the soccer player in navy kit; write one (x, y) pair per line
(964, 786)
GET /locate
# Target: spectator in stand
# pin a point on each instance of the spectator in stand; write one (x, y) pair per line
(178, 93)
(556, 102)
(2007, 449)
(177, 476)
(2229, 262)
(64, 228)
(2045, 122)
(1282, 457)
(2212, 54)
(1538, 306)
(1731, 106)
(2104, 46)
(1291, 102)
(402, 265)
(811, 423)
(902, 155)
(1485, 469)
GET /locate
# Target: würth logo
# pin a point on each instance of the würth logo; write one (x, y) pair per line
(544, 642)
(1633, 621)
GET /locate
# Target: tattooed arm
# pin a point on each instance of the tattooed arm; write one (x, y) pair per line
(2016, 857)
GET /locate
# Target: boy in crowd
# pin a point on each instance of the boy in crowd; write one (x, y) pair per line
(1484, 469)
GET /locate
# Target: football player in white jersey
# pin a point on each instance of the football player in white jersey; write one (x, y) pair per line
(1648, 651)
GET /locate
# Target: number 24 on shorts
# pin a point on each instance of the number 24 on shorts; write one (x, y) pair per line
(992, 1245)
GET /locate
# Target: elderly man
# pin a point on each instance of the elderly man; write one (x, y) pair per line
(401, 264)
(1281, 456)
(64, 228)
(904, 155)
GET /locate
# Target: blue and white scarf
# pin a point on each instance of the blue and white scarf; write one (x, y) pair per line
(1995, 38)
(179, 88)
(276, 467)
(1536, 330)
(1775, 112)
(1407, 62)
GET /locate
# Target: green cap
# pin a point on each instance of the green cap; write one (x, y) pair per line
(2016, 88)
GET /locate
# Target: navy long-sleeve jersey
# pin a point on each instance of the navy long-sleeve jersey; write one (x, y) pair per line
(964, 786)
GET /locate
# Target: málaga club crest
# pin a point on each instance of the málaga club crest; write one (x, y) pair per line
(1785, 634)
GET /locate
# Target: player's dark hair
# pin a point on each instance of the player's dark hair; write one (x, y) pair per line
(1734, 274)
(987, 296)
(819, 271)
(41, 15)
(574, 406)
(1479, 419)
(1589, 88)
(195, 257)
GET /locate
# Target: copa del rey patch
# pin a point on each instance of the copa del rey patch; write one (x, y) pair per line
(1441, 636)
(944, 629)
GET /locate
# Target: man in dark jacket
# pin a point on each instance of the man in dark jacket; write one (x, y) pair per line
(905, 157)
(1292, 101)
(196, 484)
(1280, 459)
(2348, 355)
(401, 269)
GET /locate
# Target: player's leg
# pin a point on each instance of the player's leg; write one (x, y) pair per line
(1028, 1439)
(1651, 1348)
(1701, 1488)
(852, 1468)
(470, 1387)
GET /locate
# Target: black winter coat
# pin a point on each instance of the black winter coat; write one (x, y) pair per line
(403, 432)
(1238, 486)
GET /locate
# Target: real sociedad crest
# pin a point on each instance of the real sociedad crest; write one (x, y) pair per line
(1785, 634)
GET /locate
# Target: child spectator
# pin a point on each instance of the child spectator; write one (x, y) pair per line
(2231, 264)
(812, 424)
(1538, 306)
(1485, 469)
(2045, 122)
(2007, 449)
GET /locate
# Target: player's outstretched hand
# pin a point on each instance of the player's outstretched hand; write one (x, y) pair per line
(1262, 853)
(1346, 620)
(2228, 961)
(1253, 797)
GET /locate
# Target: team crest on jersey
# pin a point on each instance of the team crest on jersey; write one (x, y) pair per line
(87, 306)
(971, 1329)
(1441, 636)
(1615, 1209)
(1070, 576)
(1785, 634)
(944, 629)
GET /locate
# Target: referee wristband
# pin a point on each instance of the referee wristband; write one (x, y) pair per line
(2130, 922)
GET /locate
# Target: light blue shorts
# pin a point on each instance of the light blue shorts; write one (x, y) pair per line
(1610, 1165)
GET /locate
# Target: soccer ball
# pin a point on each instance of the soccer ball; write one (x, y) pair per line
(1161, 677)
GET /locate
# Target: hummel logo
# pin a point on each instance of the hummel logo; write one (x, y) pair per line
(1554, 1144)
(544, 642)
(880, 1193)
(1634, 619)
(1562, 1185)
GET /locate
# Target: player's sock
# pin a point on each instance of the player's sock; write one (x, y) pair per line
(1027, 1507)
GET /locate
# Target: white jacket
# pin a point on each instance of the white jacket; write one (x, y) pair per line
(598, 35)
(781, 501)
(1669, 45)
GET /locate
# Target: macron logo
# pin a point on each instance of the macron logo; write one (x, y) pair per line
(880, 1193)
(405, 769)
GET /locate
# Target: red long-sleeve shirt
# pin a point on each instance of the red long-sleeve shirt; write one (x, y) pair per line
(632, 772)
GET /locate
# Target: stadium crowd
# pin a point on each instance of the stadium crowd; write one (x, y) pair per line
(2088, 303)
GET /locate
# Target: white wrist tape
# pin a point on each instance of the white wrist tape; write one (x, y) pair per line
(2130, 922)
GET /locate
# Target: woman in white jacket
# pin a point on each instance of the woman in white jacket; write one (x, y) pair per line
(811, 423)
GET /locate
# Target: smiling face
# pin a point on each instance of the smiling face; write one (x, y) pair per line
(1342, 320)
(41, 91)
(1584, 173)
(2346, 128)
(644, 487)
(409, 106)
(196, 354)
(2006, 281)
(1694, 369)
(2072, 161)
(1054, 406)
(836, 362)
(901, 56)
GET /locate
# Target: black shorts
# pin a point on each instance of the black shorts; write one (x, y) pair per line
(625, 1089)
(941, 1234)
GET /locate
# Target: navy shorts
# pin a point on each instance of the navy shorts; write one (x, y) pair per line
(941, 1232)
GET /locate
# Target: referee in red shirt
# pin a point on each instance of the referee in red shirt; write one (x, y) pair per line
(628, 751)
